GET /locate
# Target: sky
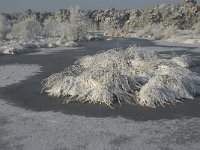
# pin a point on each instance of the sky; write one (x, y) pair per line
(52, 5)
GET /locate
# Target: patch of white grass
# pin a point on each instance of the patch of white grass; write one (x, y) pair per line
(169, 85)
(131, 76)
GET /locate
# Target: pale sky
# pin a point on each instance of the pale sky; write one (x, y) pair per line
(52, 5)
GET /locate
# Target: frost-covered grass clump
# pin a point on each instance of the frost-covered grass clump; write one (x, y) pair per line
(131, 76)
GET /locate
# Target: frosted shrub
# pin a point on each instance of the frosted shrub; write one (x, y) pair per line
(75, 29)
(152, 31)
(157, 31)
(29, 28)
(109, 28)
(3, 27)
(132, 76)
(169, 85)
(106, 24)
(53, 27)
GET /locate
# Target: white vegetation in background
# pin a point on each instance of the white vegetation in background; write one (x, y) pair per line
(109, 29)
(131, 76)
(53, 27)
(106, 24)
(153, 31)
(161, 32)
(3, 27)
(54, 32)
(27, 29)
(156, 31)
(75, 29)
(197, 29)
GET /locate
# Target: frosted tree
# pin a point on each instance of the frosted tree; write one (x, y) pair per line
(3, 27)
(29, 28)
(106, 24)
(75, 29)
(53, 27)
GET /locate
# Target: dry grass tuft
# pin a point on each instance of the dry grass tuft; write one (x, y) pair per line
(133, 76)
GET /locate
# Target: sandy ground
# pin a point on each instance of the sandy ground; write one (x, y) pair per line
(30, 121)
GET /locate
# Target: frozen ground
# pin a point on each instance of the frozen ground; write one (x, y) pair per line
(21, 129)
(25, 129)
(11, 74)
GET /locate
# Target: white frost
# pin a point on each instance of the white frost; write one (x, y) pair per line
(28, 130)
(11, 74)
(132, 76)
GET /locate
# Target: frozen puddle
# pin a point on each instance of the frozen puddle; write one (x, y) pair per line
(11, 74)
(27, 130)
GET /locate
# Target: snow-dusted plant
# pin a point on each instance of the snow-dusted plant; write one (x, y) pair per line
(75, 29)
(184, 61)
(151, 31)
(3, 27)
(109, 29)
(106, 24)
(131, 76)
(29, 28)
(169, 32)
(157, 31)
(53, 27)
